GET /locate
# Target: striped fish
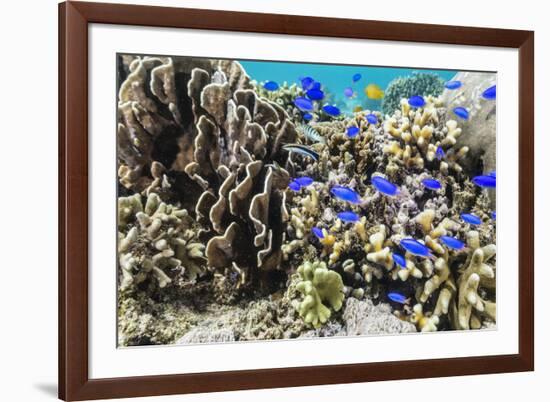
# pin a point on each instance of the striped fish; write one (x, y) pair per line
(302, 150)
(311, 133)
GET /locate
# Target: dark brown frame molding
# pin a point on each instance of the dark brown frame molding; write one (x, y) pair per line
(74, 382)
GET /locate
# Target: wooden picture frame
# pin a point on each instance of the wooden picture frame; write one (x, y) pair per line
(74, 381)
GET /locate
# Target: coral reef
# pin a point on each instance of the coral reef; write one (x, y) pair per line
(423, 84)
(240, 220)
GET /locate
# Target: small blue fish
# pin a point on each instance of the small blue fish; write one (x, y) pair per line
(371, 118)
(348, 216)
(461, 112)
(352, 131)
(331, 110)
(471, 219)
(494, 215)
(315, 94)
(452, 242)
(386, 187)
(348, 92)
(415, 247)
(345, 194)
(490, 93)
(453, 84)
(356, 77)
(432, 184)
(303, 103)
(440, 153)
(397, 298)
(271, 86)
(399, 260)
(304, 181)
(307, 116)
(417, 101)
(294, 185)
(485, 181)
(316, 85)
(307, 83)
(302, 150)
(318, 232)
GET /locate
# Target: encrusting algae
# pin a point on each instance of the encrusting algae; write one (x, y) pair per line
(268, 211)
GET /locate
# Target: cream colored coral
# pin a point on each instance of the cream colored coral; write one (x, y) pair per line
(470, 303)
(156, 238)
(322, 290)
(424, 322)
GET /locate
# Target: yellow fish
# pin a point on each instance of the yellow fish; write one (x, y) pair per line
(373, 91)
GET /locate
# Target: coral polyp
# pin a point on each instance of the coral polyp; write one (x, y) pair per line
(279, 210)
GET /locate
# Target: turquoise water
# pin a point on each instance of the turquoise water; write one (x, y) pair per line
(335, 78)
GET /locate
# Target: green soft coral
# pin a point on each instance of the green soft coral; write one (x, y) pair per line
(322, 289)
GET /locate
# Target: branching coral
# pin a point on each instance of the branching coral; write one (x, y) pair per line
(322, 289)
(472, 306)
(156, 240)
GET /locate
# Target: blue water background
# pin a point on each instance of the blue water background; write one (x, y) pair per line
(335, 78)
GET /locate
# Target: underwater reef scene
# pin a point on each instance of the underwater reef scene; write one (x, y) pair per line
(267, 200)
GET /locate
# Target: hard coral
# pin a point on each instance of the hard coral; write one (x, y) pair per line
(322, 289)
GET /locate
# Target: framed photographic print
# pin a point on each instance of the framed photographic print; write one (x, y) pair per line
(259, 200)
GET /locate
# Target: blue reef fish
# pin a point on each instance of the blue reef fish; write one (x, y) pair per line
(398, 298)
(490, 93)
(345, 194)
(271, 86)
(386, 187)
(399, 260)
(307, 116)
(485, 181)
(432, 184)
(303, 103)
(453, 84)
(494, 215)
(316, 85)
(471, 219)
(318, 232)
(371, 118)
(440, 153)
(461, 112)
(452, 242)
(294, 185)
(352, 131)
(356, 77)
(315, 94)
(417, 101)
(311, 133)
(331, 110)
(302, 150)
(348, 216)
(415, 247)
(348, 92)
(304, 181)
(307, 83)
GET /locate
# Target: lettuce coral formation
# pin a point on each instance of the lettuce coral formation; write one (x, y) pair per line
(214, 226)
